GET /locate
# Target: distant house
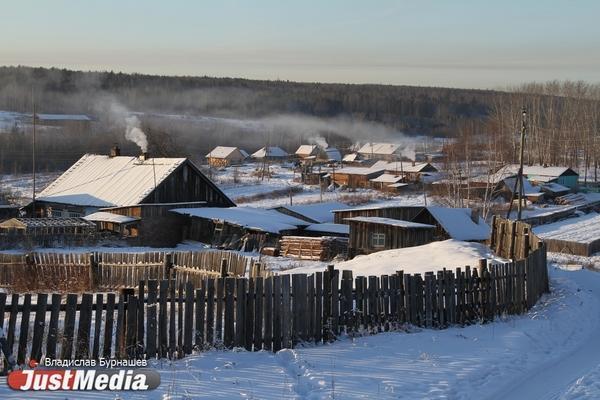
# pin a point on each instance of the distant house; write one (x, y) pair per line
(80, 122)
(388, 182)
(333, 154)
(271, 153)
(455, 223)
(371, 234)
(308, 150)
(412, 172)
(381, 151)
(101, 181)
(46, 232)
(355, 177)
(539, 174)
(222, 156)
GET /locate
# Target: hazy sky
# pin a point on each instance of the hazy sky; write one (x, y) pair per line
(456, 43)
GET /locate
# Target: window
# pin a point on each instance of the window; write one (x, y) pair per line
(74, 214)
(57, 213)
(378, 239)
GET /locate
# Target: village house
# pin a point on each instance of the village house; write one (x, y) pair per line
(222, 156)
(539, 174)
(307, 151)
(270, 153)
(454, 223)
(104, 181)
(371, 234)
(68, 122)
(411, 171)
(405, 213)
(355, 177)
(381, 151)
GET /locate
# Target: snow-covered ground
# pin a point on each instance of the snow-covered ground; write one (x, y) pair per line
(550, 352)
(583, 229)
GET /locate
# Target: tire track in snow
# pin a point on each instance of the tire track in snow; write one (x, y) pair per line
(550, 379)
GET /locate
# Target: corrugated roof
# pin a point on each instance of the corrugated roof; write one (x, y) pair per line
(103, 181)
(390, 221)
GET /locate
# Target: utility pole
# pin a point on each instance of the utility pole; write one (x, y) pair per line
(520, 174)
(518, 188)
(33, 155)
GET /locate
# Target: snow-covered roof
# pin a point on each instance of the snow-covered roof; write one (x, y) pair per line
(272, 151)
(397, 185)
(63, 117)
(555, 188)
(103, 216)
(350, 157)
(387, 178)
(224, 152)
(379, 148)
(333, 154)
(458, 224)
(401, 166)
(103, 181)
(247, 217)
(306, 149)
(341, 229)
(583, 229)
(358, 170)
(529, 189)
(320, 212)
(390, 221)
(538, 170)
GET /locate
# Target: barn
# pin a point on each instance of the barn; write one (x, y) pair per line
(540, 174)
(406, 213)
(454, 223)
(371, 234)
(355, 177)
(270, 153)
(223, 156)
(101, 181)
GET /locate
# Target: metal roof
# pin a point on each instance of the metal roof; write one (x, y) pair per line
(103, 181)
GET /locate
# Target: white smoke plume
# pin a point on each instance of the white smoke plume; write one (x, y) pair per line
(319, 140)
(134, 133)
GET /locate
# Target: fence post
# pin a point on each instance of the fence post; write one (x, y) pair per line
(93, 272)
(168, 265)
(224, 264)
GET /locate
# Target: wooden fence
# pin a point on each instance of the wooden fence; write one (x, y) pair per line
(169, 319)
(512, 239)
(110, 271)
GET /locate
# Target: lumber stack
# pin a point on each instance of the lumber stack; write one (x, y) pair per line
(323, 248)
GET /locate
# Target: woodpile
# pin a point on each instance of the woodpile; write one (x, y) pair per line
(571, 199)
(323, 248)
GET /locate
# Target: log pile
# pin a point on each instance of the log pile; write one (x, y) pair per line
(323, 248)
(571, 199)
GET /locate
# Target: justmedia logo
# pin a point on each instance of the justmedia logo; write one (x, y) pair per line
(83, 379)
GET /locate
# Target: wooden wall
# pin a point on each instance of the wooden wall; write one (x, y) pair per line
(395, 237)
(402, 213)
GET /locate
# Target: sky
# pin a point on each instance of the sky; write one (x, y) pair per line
(453, 43)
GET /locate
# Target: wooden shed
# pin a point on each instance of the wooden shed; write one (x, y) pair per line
(371, 234)
(47, 232)
(355, 177)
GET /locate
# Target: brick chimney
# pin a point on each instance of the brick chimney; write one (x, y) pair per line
(115, 151)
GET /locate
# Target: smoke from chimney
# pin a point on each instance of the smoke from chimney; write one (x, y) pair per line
(134, 133)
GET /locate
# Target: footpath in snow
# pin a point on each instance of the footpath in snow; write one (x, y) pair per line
(551, 352)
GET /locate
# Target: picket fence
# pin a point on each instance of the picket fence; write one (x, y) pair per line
(169, 319)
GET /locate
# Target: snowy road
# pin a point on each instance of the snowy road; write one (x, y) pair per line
(551, 379)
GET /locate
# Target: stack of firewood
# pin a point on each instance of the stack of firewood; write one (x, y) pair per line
(323, 248)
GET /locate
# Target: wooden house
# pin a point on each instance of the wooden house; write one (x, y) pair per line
(454, 223)
(101, 181)
(381, 151)
(371, 234)
(410, 171)
(273, 153)
(307, 150)
(406, 213)
(355, 177)
(222, 156)
(540, 174)
(8, 211)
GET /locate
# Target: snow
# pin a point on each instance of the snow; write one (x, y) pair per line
(306, 149)
(103, 181)
(63, 117)
(390, 221)
(434, 256)
(582, 229)
(379, 148)
(247, 217)
(359, 170)
(555, 187)
(341, 229)
(387, 178)
(104, 216)
(458, 223)
(538, 171)
(319, 212)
